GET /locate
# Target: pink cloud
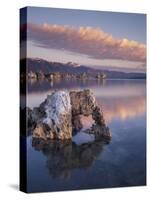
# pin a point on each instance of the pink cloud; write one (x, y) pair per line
(86, 40)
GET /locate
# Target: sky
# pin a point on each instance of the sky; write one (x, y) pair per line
(102, 40)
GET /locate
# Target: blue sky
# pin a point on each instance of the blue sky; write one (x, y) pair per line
(118, 25)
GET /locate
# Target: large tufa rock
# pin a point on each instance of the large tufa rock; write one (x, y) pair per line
(54, 117)
(59, 116)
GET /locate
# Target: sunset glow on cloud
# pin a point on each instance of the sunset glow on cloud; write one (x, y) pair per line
(86, 40)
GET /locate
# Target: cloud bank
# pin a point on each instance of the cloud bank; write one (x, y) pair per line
(86, 40)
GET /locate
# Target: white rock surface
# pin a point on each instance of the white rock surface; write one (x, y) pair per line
(57, 119)
(56, 105)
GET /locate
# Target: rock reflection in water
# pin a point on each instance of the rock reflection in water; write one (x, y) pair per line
(64, 156)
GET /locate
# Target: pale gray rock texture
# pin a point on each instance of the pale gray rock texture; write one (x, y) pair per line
(54, 117)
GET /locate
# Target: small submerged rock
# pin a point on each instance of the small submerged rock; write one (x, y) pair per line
(59, 117)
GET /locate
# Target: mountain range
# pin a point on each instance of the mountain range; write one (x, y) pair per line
(36, 65)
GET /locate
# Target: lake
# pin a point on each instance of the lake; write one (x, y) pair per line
(119, 163)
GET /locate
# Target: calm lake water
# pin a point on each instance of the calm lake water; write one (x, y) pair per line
(122, 162)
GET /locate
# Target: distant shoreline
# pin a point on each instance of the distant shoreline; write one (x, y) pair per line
(39, 68)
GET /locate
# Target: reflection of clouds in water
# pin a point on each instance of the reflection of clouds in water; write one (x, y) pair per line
(123, 108)
(117, 108)
(118, 98)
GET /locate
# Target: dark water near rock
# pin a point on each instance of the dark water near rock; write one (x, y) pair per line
(122, 162)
